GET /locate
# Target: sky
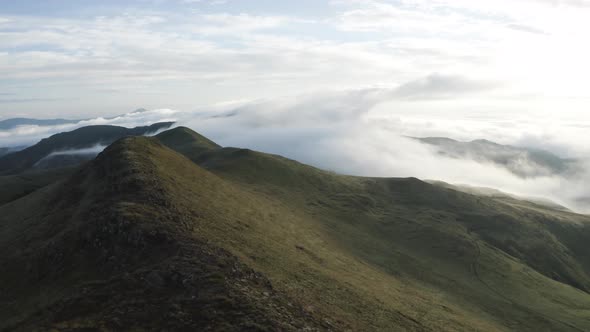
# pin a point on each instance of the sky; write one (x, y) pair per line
(88, 58)
(334, 83)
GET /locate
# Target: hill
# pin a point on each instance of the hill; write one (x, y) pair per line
(146, 238)
(63, 148)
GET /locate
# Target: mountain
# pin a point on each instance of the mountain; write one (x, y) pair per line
(176, 233)
(70, 148)
(523, 162)
(5, 151)
(12, 123)
(15, 122)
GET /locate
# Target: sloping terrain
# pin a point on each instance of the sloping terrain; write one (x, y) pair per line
(82, 138)
(230, 239)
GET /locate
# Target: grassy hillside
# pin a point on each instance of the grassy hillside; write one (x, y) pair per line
(146, 238)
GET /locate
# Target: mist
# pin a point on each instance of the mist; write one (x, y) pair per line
(93, 150)
(363, 132)
(70, 157)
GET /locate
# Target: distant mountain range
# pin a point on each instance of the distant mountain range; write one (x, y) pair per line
(523, 162)
(176, 233)
(15, 122)
(12, 123)
(70, 148)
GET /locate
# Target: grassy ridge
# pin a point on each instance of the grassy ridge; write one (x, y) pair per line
(278, 239)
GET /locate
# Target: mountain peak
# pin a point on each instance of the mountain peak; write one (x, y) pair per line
(186, 141)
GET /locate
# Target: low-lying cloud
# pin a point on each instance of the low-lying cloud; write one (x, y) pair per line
(94, 150)
(79, 154)
(354, 133)
(363, 132)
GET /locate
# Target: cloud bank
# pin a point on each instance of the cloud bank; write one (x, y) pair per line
(363, 132)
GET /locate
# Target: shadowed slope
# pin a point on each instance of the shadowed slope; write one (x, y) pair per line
(13, 187)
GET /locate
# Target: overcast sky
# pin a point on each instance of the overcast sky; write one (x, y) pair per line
(87, 58)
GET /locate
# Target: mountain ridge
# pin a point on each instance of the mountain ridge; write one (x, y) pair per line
(316, 249)
(178, 281)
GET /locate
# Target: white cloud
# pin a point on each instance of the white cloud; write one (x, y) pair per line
(194, 58)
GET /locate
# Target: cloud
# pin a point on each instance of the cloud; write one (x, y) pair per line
(184, 56)
(79, 154)
(525, 28)
(30, 100)
(368, 142)
(437, 86)
(93, 150)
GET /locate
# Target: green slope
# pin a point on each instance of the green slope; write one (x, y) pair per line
(329, 252)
